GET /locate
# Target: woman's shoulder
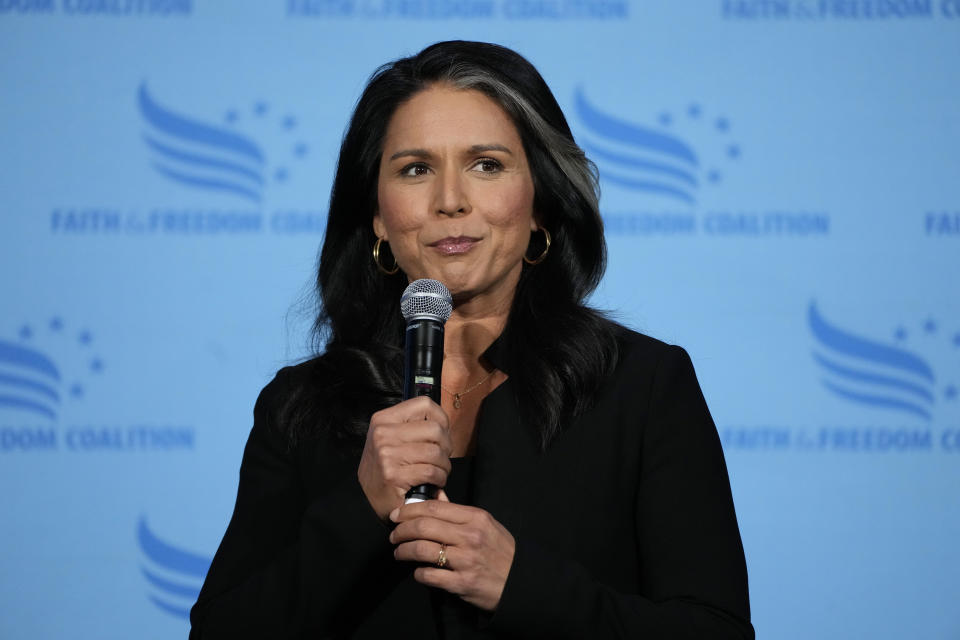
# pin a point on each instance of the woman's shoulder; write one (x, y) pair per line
(303, 372)
(339, 389)
(286, 392)
(643, 355)
(319, 373)
(290, 379)
(635, 344)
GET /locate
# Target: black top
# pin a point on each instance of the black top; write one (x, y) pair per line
(624, 526)
(457, 619)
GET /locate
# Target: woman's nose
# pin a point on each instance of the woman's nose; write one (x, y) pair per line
(452, 198)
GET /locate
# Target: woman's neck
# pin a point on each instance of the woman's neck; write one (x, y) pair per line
(474, 324)
(467, 378)
(467, 335)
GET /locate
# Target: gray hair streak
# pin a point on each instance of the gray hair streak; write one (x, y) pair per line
(569, 158)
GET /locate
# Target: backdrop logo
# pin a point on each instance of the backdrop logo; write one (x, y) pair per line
(46, 373)
(652, 161)
(822, 11)
(673, 167)
(99, 8)
(32, 382)
(206, 156)
(174, 575)
(902, 390)
(558, 10)
(229, 172)
(872, 373)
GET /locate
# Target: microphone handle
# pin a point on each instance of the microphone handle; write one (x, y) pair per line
(422, 363)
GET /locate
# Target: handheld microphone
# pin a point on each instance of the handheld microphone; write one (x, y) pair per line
(425, 305)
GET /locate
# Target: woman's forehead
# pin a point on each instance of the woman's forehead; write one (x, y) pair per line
(442, 115)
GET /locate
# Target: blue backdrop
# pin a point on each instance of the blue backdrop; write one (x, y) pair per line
(166, 166)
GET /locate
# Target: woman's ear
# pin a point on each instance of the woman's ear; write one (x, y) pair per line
(379, 229)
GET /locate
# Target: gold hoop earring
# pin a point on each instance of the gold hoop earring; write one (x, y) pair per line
(376, 259)
(539, 258)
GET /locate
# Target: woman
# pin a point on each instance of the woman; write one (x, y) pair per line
(584, 488)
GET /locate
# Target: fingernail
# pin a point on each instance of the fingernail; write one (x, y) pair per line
(394, 514)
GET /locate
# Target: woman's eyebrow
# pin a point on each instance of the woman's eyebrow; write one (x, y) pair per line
(480, 148)
(416, 153)
(474, 149)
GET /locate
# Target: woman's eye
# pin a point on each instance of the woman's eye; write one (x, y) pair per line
(488, 165)
(414, 170)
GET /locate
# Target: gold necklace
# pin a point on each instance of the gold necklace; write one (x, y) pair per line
(457, 396)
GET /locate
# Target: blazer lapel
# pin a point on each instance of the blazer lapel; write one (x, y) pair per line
(506, 457)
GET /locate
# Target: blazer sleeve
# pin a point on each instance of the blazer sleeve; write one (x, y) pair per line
(693, 580)
(284, 566)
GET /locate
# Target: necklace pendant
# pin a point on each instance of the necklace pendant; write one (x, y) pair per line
(456, 401)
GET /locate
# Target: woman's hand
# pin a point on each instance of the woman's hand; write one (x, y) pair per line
(407, 445)
(478, 549)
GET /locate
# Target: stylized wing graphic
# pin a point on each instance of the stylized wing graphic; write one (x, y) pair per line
(201, 155)
(175, 576)
(871, 373)
(636, 157)
(29, 381)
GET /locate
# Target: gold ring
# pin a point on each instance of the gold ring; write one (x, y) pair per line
(442, 558)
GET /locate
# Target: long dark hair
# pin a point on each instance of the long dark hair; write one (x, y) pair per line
(559, 349)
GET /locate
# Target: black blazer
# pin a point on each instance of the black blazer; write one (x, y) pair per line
(624, 526)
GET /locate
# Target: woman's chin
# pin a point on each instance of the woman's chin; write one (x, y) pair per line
(467, 280)
(456, 278)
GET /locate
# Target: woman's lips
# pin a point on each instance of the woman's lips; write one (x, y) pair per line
(454, 246)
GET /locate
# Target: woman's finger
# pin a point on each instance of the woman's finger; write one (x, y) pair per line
(429, 529)
(410, 453)
(426, 431)
(412, 475)
(450, 581)
(412, 410)
(442, 510)
(427, 552)
(382, 436)
(385, 433)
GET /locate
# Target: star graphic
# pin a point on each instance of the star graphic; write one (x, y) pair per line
(96, 365)
(231, 116)
(260, 108)
(56, 324)
(930, 326)
(665, 119)
(281, 175)
(713, 176)
(694, 111)
(76, 390)
(289, 122)
(300, 150)
(956, 339)
(26, 333)
(722, 124)
(85, 337)
(733, 151)
(950, 393)
(900, 334)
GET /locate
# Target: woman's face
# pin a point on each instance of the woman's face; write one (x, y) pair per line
(455, 194)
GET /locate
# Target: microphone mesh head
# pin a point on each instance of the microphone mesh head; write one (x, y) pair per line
(426, 299)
